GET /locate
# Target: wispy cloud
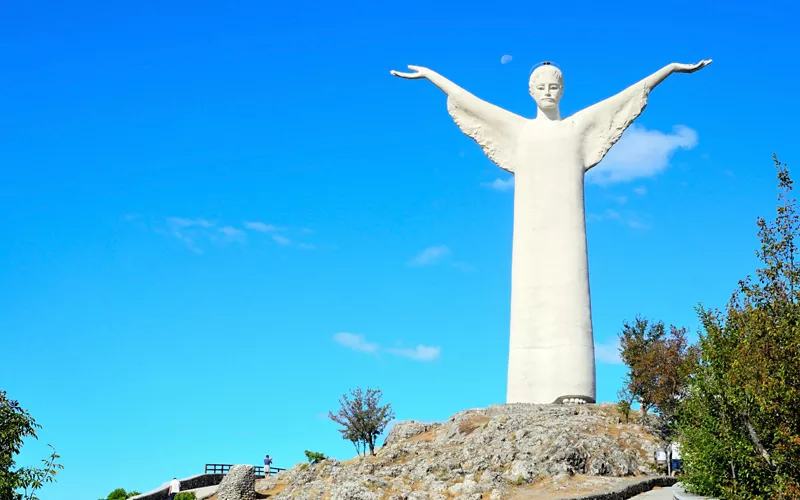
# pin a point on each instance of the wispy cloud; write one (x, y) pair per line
(261, 227)
(232, 233)
(359, 343)
(620, 199)
(608, 352)
(505, 59)
(641, 190)
(641, 153)
(198, 232)
(281, 240)
(500, 184)
(462, 266)
(355, 342)
(430, 256)
(419, 353)
(628, 218)
(183, 222)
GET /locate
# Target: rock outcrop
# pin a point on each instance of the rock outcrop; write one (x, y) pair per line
(238, 484)
(483, 454)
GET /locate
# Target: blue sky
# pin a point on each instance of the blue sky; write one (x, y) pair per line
(216, 219)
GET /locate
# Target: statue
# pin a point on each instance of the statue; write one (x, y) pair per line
(551, 350)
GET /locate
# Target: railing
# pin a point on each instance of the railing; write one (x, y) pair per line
(224, 468)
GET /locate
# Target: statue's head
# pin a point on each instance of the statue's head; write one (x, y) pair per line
(546, 86)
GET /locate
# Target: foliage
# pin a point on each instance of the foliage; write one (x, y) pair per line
(185, 495)
(363, 418)
(314, 457)
(121, 494)
(625, 402)
(15, 425)
(740, 425)
(659, 368)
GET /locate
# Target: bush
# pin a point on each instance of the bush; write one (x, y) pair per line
(314, 457)
(740, 425)
(121, 494)
(185, 495)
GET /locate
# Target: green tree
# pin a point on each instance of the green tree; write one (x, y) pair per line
(741, 420)
(362, 418)
(660, 362)
(21, 483)
(120, 494)
(314, 457)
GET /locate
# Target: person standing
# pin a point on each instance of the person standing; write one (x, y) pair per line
(267, 465)
(174, 488)
(676, 462)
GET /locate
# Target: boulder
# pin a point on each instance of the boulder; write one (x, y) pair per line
(238, 484)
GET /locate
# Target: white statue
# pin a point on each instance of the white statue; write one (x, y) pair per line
(551, 351)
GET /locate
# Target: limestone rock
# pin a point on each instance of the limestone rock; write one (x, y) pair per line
(482, 453)
(405, 430)
(238, 484)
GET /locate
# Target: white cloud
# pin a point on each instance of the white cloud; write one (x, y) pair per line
(419, 353)
(232, 233)
(306, 246)
(261, 227)
(462, 266)
(281, 240)
(430, 255)
(505, 59)
(620, 199)
(183, 222)
(188, 241)
(608, 353)
(641, 153)
(630, 219)
(355, 342)
(500, 184)
(641, 190)
(359, 343)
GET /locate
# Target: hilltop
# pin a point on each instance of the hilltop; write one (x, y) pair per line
(504, 451)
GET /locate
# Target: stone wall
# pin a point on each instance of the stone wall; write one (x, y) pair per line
(632, 489)
(190, 483)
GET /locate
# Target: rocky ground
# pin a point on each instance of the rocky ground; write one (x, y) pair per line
(506, 451)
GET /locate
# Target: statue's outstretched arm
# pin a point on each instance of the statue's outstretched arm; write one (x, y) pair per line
(659, 76)
(603, 123)
(435, 78)
(493, 128)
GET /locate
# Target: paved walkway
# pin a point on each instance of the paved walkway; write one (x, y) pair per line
(656, 494)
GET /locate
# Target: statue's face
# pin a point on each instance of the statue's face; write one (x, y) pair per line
(546, 90)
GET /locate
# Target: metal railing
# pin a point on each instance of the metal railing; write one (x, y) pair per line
(223, 469)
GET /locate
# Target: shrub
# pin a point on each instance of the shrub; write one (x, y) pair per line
(740, 425)
(185, 495)
(314, 457)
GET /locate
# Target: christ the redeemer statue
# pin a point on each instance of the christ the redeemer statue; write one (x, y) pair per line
(551, 350)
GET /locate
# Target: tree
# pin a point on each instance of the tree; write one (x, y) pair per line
(363, 418)
(740, 424)
(120, 494)
(15, 425)
(314, 457)
(659, 367)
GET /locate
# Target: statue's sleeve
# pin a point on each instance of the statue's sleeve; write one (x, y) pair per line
(494, 129)
(602, 124)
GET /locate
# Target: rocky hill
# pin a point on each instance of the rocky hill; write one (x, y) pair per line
(504, 451)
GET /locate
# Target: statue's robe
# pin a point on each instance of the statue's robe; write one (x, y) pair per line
(551, 350)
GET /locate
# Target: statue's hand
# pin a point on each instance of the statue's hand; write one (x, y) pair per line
(419, 72)
(691, 68)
